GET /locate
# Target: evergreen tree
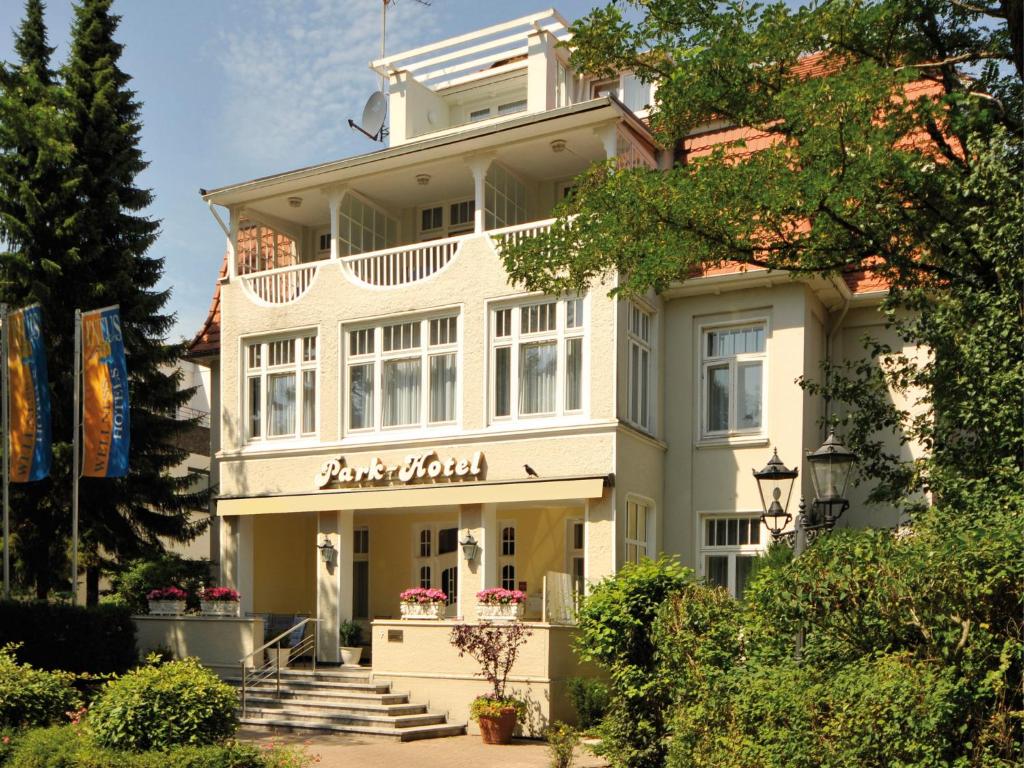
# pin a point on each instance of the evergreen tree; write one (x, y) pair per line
(35, 222)
(123, 518)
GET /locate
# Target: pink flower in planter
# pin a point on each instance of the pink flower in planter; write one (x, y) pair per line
(166, 593)
(501, 596)
(220, 595)
(423, 595)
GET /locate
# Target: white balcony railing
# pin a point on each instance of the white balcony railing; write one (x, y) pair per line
(405, 264)
(519, 232)
(283, 285)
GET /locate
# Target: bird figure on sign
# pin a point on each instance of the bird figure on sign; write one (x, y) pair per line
(530, 471)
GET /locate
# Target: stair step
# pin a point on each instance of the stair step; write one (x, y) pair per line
(299, 684)
(377, 721)
(412, 733)
(371, 707)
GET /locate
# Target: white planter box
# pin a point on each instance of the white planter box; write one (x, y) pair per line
(166, 607)
(350, 656)
(434, 611)
(500, 611)
(219, 607)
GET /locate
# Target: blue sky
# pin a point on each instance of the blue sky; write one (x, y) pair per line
(235, 89)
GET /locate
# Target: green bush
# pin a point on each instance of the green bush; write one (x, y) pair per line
(97, 640)
(616, 621)
(562, 740)
(33, 697)
(70, 747)
(169, 570)
(161, 706)
(589, 698)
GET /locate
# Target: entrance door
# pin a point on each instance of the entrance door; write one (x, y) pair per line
(448, 566)
(361, 578)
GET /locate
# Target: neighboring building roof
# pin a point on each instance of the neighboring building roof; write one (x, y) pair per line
(206, 343)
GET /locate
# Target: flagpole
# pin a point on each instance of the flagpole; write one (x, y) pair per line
(5, 381)
(75, 458)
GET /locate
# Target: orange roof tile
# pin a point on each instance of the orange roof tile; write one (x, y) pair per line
(206, 342)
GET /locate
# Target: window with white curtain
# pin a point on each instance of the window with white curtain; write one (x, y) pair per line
(732, 380)
(638, 339)
(729, 546)
(280, 391)
(402, 374)
(537, 359)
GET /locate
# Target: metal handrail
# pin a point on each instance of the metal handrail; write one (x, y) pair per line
(260, 673)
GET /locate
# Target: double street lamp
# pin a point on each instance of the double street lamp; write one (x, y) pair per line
(831, 466)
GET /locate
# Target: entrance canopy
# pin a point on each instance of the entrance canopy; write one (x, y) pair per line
(405, 497)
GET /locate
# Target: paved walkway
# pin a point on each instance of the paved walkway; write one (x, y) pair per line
(347, 750)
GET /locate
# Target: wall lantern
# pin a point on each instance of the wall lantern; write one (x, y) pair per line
(326, 551)
(830, 472)
(775, 484)
(469, 547)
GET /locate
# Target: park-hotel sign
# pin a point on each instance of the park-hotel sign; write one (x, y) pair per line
(417, 467)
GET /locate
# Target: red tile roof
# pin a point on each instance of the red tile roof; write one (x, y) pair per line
(206, 343)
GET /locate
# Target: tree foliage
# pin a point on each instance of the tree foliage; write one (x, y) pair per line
(75, 235)
(888, 139)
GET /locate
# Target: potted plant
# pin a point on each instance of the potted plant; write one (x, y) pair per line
(495, 647)
(350, 636)
(166, 601)
(423, 603)
(498, 604)
(219, 601)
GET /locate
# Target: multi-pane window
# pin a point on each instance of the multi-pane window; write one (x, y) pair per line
(638, 336)
(363, 227)
(447, 220)
(507, 559)
(504, 198)
(729, 546)
(280, 390)
(537, 359)
(638, 524)
(403, 374)
(576, 555)
(732, 371)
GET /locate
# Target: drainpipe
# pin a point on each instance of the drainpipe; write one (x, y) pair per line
(830, 342)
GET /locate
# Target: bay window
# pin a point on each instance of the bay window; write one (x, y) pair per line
(729, 546)
(732, 380)
(280, 391)
(402, 374)
(537, 359)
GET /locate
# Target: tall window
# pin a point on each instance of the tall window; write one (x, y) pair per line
(507, 560)
(424, 549)
(403, 374)
(729, 546)
(576, 555)
(361, 573)
(363, 227)
(732, 371)
(638, 335)
(638, 525)
(504, 198)
(537, 359)
(280, 389)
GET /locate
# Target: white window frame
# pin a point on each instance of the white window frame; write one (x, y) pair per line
(728, 550)
(508, 560)
(263, 373)
(516, 339)
(643, 342)
(635, 504)
(433, 560)
(447, 229)
(705, 362)
(378, 357)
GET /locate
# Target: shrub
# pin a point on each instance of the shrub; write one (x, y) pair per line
(160, 706)
(350, 634)
(33, 697)
(616, 623)
(97, 640)
(589, 698)
(142, 576)
(562, 740)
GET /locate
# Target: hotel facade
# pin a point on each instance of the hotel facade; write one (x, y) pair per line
(380, 388)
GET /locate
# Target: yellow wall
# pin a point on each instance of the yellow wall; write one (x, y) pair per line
(540, 543)
(284, 555)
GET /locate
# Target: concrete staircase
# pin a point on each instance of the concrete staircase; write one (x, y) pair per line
(345, 701)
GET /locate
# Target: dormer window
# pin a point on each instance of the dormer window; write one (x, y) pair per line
(512, 107)
(479, 114)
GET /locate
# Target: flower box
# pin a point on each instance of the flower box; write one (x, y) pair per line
(166, 607)
(500, 611)
(219, 608)
(434, 611)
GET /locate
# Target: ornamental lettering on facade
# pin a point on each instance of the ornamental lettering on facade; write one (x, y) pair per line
(425, 466)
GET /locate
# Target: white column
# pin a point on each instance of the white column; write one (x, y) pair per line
(608, 135)
(478, 165)
(234, 214)
(489, 546)
(236, 558)
(334, 201)
(333, 581)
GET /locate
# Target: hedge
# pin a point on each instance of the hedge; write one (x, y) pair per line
(75, 639)
(33, 697)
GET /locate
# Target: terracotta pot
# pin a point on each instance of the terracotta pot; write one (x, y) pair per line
(498, 730)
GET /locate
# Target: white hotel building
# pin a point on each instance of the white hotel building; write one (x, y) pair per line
(364, 322)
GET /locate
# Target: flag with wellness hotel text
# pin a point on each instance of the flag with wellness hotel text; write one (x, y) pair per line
(106, 428)
(31, 448)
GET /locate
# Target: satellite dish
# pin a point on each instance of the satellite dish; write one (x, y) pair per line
(372, 124)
